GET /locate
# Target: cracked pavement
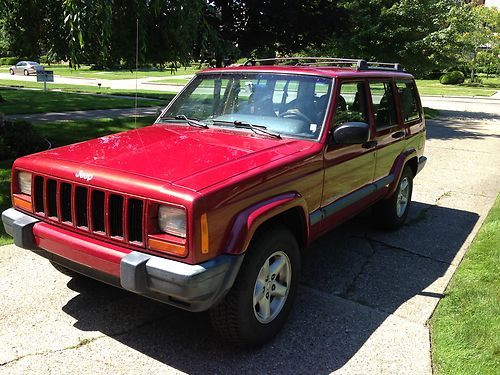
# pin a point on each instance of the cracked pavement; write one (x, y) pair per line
(362, 308)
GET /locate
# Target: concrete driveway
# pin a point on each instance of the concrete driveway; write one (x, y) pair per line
(362, 308)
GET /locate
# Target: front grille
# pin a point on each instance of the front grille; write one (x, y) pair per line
(91, 210)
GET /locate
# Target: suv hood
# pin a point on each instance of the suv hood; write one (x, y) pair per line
(178, 154)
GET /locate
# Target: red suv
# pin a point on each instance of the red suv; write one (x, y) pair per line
(210, 207)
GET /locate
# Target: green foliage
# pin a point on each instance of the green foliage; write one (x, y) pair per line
(18, 138)
(452, 78)
(424, 35)
(9, 60)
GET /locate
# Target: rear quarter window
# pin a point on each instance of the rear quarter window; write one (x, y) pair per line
(410, 110)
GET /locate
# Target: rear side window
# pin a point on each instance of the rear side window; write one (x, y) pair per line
(384, 109)
(409, 102)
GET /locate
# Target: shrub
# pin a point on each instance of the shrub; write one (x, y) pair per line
(19, 138)
(452, 78)
(9, 60)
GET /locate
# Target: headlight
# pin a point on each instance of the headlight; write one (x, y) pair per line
(24, 181)
(172, 220)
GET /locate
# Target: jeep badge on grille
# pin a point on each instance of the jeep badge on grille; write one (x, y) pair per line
(83, 175)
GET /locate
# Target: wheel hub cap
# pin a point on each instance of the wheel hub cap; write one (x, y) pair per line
(403, 195)
(272, 287)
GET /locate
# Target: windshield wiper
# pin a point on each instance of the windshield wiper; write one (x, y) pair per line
(255, 128)
(190, 121)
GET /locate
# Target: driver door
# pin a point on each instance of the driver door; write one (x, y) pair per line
(349, 169)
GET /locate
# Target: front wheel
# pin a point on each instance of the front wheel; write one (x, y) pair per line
(257, 306)
(11, 71)
(391, 213)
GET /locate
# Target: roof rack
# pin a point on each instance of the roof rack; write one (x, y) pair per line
(358, 64)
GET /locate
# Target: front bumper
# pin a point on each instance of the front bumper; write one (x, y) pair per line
(190, 287)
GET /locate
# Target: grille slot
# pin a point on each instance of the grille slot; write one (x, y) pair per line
(116, 215)
(65, 202)
(51, 198)
(81, 205)
(111, 214)
(135, 208)
(97, 209)
(38, 195)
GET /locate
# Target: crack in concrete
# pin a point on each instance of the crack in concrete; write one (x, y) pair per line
(81, 343)
(349, 290)
(382, 243)
(422, 215)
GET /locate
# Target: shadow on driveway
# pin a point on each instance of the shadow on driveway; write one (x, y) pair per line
(353, 279)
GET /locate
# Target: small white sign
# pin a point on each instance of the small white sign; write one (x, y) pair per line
(45, 76)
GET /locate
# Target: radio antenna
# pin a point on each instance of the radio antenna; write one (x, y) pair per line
(136, 68)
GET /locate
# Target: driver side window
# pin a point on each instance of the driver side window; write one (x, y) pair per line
(351, 103)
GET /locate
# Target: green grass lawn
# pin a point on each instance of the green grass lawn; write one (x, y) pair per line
(60, 134)
(172, 81)
(433, 87)
(465, 328)
(34, 101)
(152, 94)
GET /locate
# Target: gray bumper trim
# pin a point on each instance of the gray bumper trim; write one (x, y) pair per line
(20, 227)
(421, 163)
(191, 287)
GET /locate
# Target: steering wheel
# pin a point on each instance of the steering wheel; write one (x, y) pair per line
(295, 113)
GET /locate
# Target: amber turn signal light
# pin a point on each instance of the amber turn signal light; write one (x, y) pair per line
(21, 203)
(167, 247)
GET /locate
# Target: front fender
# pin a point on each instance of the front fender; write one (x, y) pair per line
(249, 220)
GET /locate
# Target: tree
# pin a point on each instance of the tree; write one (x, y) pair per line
(478, 38)
(394, 31)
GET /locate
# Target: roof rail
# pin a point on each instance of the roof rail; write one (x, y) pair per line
(358, 64)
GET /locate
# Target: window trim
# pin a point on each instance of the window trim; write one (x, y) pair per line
(417, 99)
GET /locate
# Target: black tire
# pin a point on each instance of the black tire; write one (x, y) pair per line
(389, 213)
(65, 271)
(11, 71)
(26, 73)
(236, 318)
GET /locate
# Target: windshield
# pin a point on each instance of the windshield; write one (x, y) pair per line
(285, 104)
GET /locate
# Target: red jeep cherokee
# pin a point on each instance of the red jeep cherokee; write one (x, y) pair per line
(209, 208)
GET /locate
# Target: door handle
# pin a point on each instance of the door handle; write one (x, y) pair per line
(369, 144)
(398, 134)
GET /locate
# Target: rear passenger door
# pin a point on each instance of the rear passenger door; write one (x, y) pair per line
(389, 134)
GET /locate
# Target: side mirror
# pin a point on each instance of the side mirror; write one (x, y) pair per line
(351, 133)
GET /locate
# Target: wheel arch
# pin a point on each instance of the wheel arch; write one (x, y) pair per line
(407, 157)
(289, 210)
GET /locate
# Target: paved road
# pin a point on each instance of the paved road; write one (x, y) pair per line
(362, 307)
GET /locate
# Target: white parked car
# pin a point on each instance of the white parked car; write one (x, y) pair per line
(26, 68)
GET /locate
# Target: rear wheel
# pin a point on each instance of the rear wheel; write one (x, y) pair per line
(26, 73)
(64, 270)
(257, 306)
(391, 213)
